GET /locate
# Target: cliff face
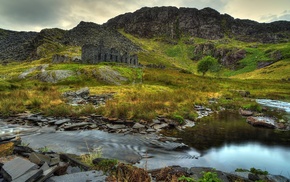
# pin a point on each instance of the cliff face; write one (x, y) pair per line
(15, 45)
(206, 23)
(91, 33)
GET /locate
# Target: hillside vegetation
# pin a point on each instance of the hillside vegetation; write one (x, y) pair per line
(167, 83)
(146, 92)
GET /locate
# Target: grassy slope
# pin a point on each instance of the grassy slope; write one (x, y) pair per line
(149, 92)
(277, 71)
(180, 56)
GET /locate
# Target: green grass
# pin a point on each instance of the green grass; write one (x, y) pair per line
(276, 71)
(149, 92)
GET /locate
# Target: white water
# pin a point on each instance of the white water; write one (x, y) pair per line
(285, 106)
(14, 129)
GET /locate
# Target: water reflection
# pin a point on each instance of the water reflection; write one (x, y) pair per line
(227, 142)
(275, 159)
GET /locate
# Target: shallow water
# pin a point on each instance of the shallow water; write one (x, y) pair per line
(14, 129)
(227, 142)
(275, 104)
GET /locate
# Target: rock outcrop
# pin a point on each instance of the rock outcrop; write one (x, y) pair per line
(94, 54)
(228, 57)
(91, 33)
(15, 45)
(206, 23)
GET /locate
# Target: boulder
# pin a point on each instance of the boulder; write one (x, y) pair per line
(160, 126)
(138, 126)
(245, 112)
(261, 122)
(83, 92)
(54, 76)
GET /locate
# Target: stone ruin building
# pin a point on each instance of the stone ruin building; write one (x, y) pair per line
(93, 54)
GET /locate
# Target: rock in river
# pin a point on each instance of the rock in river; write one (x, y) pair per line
(261, 122)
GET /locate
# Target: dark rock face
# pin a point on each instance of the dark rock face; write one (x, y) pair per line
(15, 45)
(94, 54)
(206, 23)
(227, 57)
(60, 58)
(91, 33)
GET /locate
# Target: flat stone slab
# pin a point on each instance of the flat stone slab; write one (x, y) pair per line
(62, 121)
(138, 126)
(32, 175)
(160, 126)
(76, 125)
(116, 126)
(92, 176)
(17, 167)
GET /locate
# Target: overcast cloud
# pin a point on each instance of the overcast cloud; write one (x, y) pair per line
(34, 15)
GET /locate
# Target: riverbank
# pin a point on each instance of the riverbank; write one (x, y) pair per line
(45, 165)
(140, 143)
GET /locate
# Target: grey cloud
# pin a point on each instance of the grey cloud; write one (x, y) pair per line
(270, 18)
(30, 12)
(66, 14)
(38, 14)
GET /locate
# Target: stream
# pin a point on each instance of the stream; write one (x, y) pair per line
(224, 141)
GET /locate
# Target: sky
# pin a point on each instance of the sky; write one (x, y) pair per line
(35, 15)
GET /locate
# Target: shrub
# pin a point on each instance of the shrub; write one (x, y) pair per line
(209, 177)
(258, 171)
(208, 63)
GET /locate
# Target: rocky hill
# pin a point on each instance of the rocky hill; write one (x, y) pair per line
(206, 23)
(165, 22)
(32, 45)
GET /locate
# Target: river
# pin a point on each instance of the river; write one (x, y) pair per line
(224, 141)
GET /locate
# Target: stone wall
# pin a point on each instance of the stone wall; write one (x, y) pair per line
(94, 54)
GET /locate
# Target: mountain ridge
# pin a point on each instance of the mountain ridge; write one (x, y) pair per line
(169, 22)
(205, 23)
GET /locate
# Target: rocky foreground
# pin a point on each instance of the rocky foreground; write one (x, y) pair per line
(20, 163)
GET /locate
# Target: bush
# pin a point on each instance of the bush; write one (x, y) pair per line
(209, 177)
(208, 63)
